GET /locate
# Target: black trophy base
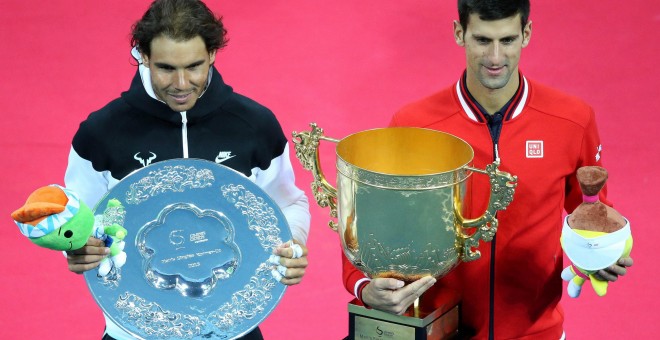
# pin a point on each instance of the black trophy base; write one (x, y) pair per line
(440, 323)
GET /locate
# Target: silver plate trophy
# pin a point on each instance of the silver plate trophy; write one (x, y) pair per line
(199, 238)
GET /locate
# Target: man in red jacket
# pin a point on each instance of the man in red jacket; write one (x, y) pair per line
(541, 135)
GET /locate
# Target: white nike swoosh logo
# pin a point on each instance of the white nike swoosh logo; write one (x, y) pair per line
(219, 160)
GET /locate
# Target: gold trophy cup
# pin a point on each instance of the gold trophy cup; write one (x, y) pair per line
(399, 201)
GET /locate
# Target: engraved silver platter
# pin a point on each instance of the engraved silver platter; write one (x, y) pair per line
(199, 238)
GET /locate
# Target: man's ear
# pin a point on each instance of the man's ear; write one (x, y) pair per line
(459, 33)
(527, 34)
(145, 59)
(212, 57)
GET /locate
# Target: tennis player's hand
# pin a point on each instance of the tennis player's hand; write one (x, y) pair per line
(390, 295)
(87, 257)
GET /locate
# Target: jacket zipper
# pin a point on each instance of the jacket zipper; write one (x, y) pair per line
(184, 133)
(495, 124)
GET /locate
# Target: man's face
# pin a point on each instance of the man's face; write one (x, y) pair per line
(492, 48)
(179, 70)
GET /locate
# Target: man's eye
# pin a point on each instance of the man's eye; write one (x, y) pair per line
(483, 41)
(508, 41)
(195, 66)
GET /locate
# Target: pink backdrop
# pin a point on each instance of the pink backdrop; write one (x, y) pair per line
(347, 65)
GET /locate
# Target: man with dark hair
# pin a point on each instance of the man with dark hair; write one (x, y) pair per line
(541, 135)
(178, 107)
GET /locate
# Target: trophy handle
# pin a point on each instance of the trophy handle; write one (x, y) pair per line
(502, 186)
(306, 144)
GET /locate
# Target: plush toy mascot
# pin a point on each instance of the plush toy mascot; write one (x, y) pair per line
(54, 217)
(594, 236)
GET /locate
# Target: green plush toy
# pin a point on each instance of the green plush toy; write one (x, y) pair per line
(54, 217)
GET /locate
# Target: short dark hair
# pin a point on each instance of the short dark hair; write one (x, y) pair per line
(180, 20)
(493, 10)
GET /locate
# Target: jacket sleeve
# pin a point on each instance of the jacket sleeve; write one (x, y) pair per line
(354, 280)
(278, 181)
(81, 177)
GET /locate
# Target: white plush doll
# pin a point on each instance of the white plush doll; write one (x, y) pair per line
(594, 236)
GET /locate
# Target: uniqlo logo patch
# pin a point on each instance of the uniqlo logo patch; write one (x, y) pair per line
(534, 149)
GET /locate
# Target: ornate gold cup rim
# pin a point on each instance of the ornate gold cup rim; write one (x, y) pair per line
(365, 158)
(444, 171)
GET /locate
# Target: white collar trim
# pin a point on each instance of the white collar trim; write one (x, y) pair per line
(472, 115)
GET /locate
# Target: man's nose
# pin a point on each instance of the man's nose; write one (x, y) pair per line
(495, 53)
(181, 80)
